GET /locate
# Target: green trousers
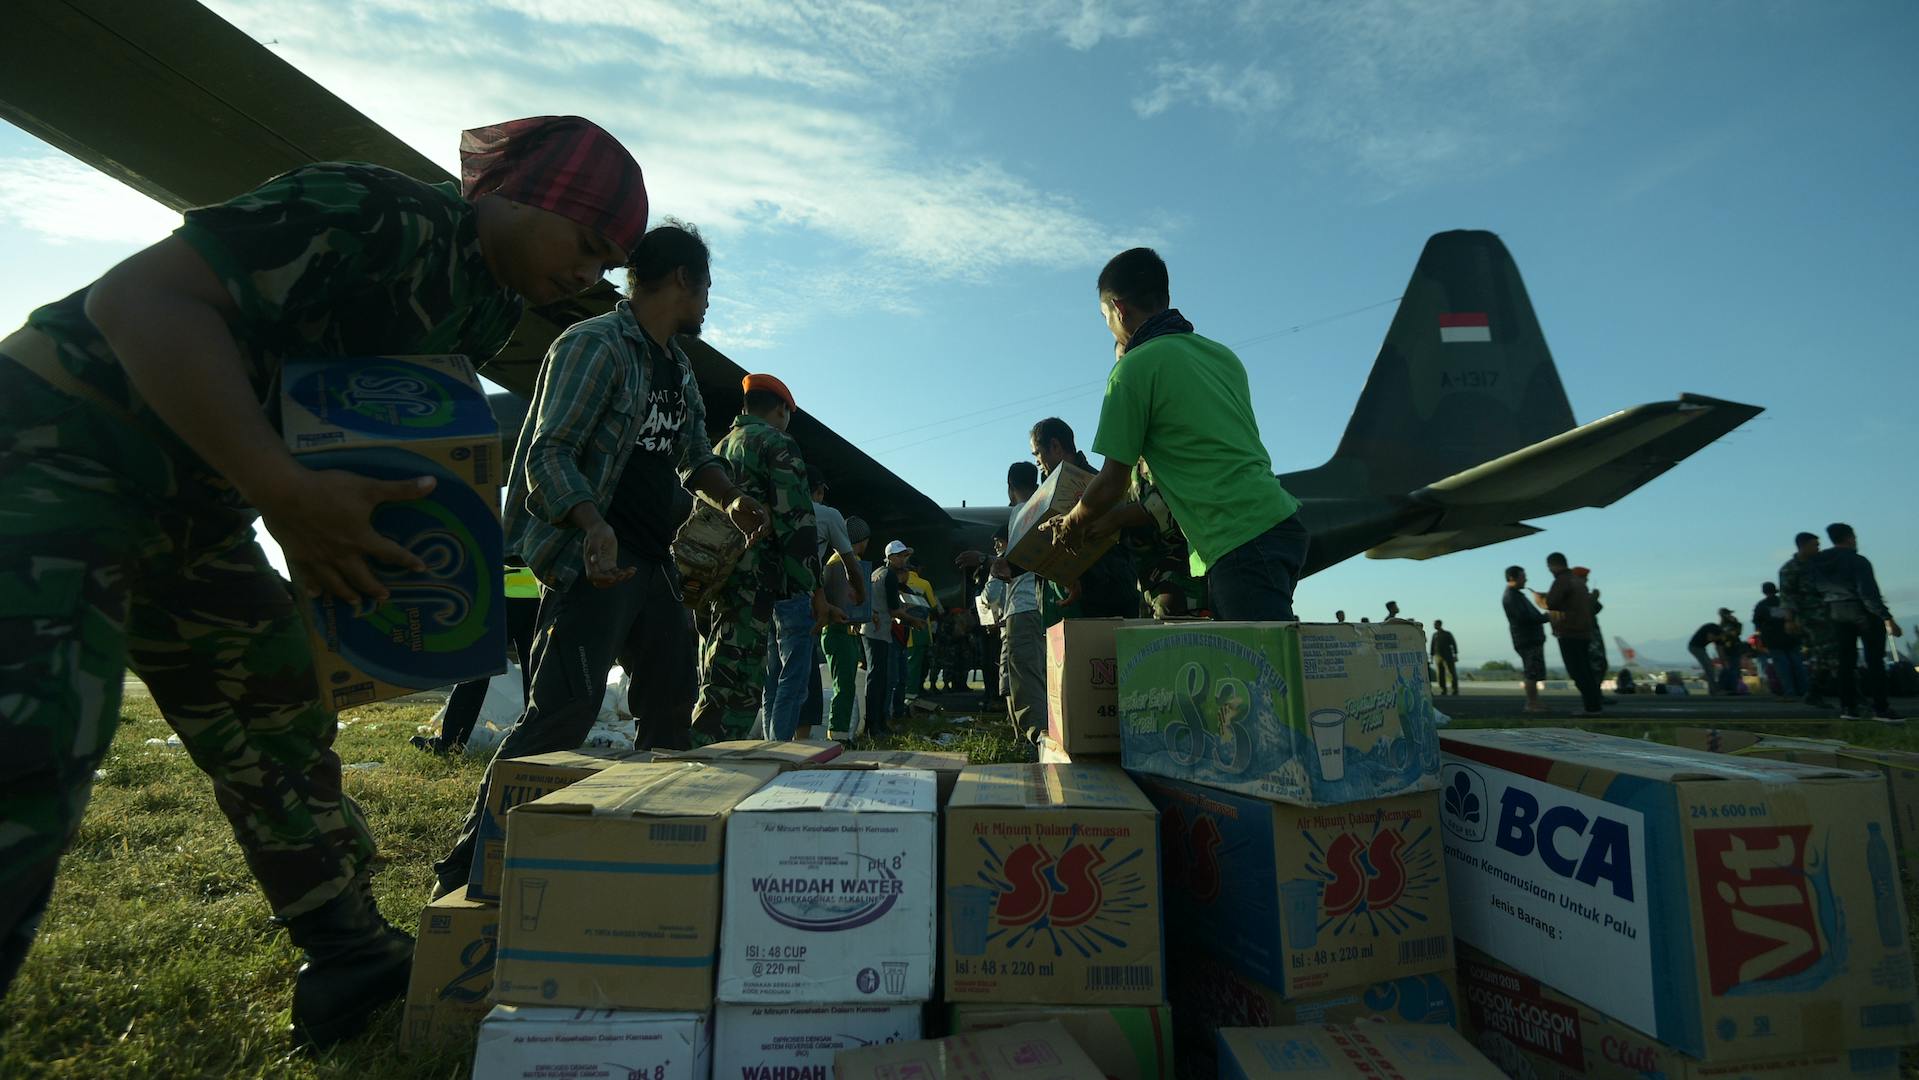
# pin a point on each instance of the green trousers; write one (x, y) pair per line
(843, 662)
(108, 560)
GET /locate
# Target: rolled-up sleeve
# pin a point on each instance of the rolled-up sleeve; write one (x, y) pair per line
(575, 385)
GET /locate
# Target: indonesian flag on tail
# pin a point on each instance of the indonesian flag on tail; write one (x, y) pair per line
(1464, 326)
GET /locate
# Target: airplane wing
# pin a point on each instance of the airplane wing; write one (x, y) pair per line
(1431, 545)
(1594, 464)
(175, 102)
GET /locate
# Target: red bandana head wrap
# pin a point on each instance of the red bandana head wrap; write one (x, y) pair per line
(565, 164)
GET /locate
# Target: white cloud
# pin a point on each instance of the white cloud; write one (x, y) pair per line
(67, 202)
(1251, 90)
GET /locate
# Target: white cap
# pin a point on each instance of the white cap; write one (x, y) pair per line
(898, 547)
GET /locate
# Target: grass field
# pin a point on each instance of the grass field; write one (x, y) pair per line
(157, 958)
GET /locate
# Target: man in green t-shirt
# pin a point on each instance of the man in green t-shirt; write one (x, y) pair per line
(1180, 402)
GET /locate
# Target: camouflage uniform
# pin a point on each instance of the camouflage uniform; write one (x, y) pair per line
(1801, 601)
(1160, 555)
(764, 463)
(120, 548)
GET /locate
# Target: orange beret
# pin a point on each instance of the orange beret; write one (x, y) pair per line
(769, 384)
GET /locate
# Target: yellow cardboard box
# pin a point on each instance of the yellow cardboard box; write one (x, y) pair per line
(1027, 1052)
(611, 897)
(1531, 1029)
(1899, 767)
(1030, 547)
(1734, 908)
(1052, 888)
(452, 971)
(1050, 753)
(1082, 685)
(1358, 1052)
(521, 780)
(1126, 1042)
(397, 418)
(1307, 900)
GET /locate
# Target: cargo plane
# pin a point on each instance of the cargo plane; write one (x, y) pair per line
(1462, 433)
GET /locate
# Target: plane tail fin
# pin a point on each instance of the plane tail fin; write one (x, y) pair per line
(1464, 375)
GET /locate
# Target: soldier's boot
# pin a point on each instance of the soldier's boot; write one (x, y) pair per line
(356, 963)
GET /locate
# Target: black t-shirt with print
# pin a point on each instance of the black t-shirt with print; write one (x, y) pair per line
(649, 504)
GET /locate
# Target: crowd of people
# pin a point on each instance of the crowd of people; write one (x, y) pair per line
(138, 444)
(1819, 632)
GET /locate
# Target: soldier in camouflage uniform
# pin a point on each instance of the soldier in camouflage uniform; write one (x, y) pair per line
(765, 463)
(1804, 610)
(134, 451)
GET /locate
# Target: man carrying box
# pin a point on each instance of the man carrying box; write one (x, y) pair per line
(1181, 403)
(616, 428)
(134, 457)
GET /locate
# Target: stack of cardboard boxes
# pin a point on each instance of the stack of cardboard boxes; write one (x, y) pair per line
(1295, 767)
(827, 940)
(1052, 910)
(1634, 909)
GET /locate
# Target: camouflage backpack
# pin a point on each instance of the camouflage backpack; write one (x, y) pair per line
(706, 549)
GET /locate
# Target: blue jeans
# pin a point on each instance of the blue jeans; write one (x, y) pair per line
(1254, 581)
(1790, 666)
(879, 684)
(789, 660)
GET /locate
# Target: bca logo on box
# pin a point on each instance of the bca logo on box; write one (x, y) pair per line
(1463, 806)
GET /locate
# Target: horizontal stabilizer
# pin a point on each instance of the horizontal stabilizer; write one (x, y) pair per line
(1431, 545)
(1594, 464)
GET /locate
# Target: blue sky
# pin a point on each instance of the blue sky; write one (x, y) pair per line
(908, 204)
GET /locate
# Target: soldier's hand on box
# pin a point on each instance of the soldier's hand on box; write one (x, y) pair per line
(602, 554)
(749, 517)
(324, 523)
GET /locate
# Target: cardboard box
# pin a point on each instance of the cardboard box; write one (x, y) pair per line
(1031, 547)
(1530, 1029)
(1052, 888)
(1306, 900)
(521, 780)
(1360, 1052)
(1082, 684)
(1211, 996)
(1309, 714)
(1899, 767)
(1126, 1042)
(787, 755)
(612, 889)
(1050, 753)
(799, 1042)
(831, 889)
(397, 418)
(945, 767)
(1027, 1052)
(452, 971)
(521, 1043)
(1733, 908)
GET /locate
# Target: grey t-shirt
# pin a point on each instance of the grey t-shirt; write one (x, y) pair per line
(831, 526)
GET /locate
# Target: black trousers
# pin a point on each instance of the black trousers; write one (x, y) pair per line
(1854, 627)
(463, 704)
(1577, 654)
(879, 677)
(642, 624)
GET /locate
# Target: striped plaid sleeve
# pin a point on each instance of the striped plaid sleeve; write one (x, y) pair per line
(575, 385)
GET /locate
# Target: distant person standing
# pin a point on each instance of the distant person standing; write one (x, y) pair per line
(1569, 606)
(889, 610)
(841, 644)
(1782, 648)
(1702, 639)
(1445, 652)
(1858, 617)
(1339, 616)
(1732, 647)
(1600, 661)
(1803, 608)
(1182, 403)
(1392, 613)
(1527, 624)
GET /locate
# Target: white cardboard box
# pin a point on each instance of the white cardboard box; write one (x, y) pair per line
(524, 1042)
(799, 1042)
(830, 889)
